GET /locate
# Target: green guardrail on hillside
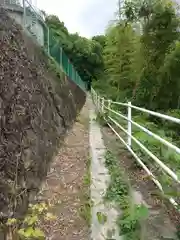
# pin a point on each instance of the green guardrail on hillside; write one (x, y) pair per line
(59, 55)
(34, 22)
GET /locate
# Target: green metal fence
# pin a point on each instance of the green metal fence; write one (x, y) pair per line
(59, 55)
(34, 22)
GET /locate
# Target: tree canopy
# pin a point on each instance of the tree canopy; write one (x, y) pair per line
(141, 55)
(137, 59)
(85, 54)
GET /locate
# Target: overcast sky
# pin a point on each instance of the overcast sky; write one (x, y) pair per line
(87, 17)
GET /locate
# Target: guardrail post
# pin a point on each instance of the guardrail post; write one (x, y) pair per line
(129, 123)
(96, 99)
(92, 94)
(102, 107)
(109, 103)
(98, 104)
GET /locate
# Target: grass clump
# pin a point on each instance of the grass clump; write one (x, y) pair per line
(100, 118)
(85, 210)
(119, 191)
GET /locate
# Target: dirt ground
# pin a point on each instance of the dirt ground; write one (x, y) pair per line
(64, 184)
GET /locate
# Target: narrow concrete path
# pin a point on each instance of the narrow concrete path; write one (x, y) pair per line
(64, 185)
(99, 183)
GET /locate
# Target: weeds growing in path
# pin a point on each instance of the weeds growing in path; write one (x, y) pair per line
(119, 191)
(85, 211)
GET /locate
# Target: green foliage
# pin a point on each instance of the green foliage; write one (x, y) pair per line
(141, 56)
(138, 57)
(102, 218)
(142, 64)
(118, 59)
(101, 39)
(85, 54)
(130, 221)
(172, 129)
(30, 233)
(159, 33)
(54, 23)
(28, 228)
(85, 210)
(141, 60)
(54, 67)
(165, 154)
(164, 129)
(169, 79)
(119, 191)
(135, 10)
(101, 119)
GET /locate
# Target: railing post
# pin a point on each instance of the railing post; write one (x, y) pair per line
(109, 103)
(129, 123)
(92, 94)
(95, 99)
(98, 104)
(102, 107)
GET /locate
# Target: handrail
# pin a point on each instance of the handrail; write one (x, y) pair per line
(161, 164)
(160, 115)
(172, 201)
(101, 102)
(168, 144)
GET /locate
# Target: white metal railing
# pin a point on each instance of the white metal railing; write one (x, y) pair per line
(104, 106)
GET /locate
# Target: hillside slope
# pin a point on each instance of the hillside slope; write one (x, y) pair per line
(37, 105)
